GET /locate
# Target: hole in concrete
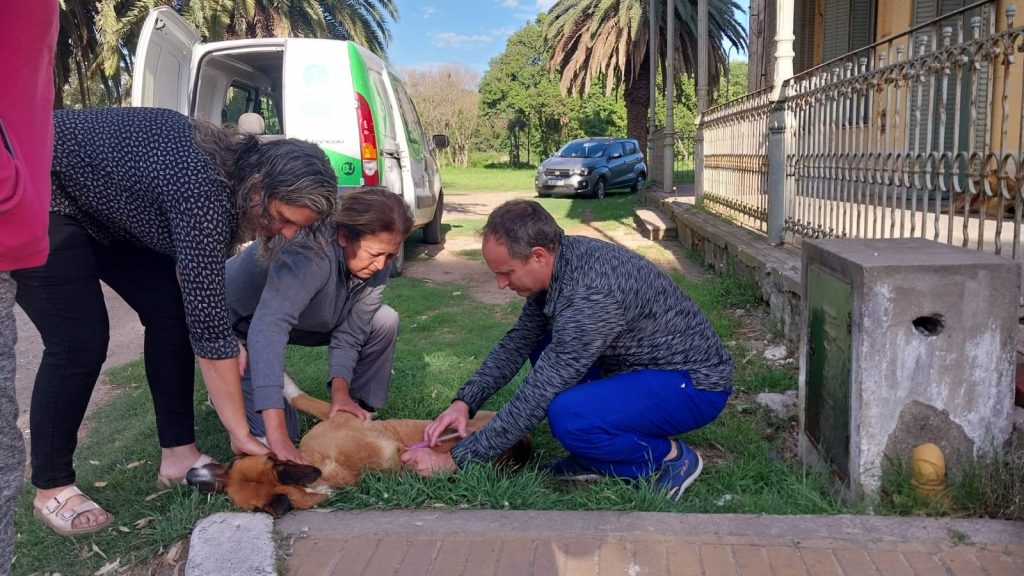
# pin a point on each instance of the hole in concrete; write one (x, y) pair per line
(929, 325)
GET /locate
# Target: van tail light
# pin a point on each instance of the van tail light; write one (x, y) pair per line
(367, 142)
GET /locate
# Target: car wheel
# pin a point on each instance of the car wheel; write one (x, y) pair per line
(640, 179)
(433, 232)
(543, 194)
(599, 188)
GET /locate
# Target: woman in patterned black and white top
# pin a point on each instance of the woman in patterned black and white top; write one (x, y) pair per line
(152, 204)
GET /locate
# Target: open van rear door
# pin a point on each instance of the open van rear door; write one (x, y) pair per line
(163, 61)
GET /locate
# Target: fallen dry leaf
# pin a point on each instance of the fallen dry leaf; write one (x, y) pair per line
(151, 496)
(143, 521)
(172, 555)
(107, 568)
(134, 464)
(97, 550)
(96, 462)
(124, 529)
(99, 484)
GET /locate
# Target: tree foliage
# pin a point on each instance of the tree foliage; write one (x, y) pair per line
(448, 103)
(605, 43)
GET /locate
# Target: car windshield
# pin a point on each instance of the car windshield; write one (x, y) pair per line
(582, 149)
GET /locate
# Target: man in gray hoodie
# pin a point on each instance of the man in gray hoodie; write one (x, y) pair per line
(320, 292)
(623, 360)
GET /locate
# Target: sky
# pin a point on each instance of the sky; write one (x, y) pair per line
(467, 32)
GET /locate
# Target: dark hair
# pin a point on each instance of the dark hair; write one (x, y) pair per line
(370, 211)
(521, 225)
(291, 171)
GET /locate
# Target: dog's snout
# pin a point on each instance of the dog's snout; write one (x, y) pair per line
(208, 478)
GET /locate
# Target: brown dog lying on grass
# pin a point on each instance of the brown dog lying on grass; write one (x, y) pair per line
(340, 448)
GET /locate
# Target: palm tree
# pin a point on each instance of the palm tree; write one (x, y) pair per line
(605, 42)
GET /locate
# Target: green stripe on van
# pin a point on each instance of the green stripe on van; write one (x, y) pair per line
(348, 169)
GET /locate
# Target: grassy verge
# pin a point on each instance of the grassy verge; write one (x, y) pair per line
(473, 179)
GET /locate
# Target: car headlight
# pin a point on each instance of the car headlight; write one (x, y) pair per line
(580, 171)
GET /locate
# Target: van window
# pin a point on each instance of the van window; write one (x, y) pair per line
(384, 110)
(413, 130)
(237, 101)
(271, 116)
(615, 148)
(630, 147)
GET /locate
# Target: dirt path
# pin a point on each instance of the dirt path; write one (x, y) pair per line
(445, 263)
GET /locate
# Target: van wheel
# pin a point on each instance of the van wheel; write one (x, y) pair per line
(600, 188)
(397, 263)
(433, 232)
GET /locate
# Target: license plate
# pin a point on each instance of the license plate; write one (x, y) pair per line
(556, 182)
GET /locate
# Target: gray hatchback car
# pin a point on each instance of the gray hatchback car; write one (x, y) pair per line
(592, 166)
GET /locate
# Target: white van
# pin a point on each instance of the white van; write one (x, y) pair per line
(333, 93)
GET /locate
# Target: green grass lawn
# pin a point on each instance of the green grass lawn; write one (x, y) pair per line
(475, 179)
(445, 334)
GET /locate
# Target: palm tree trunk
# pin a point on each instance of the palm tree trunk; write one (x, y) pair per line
(638, 95)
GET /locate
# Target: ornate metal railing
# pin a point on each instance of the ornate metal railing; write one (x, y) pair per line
(736, 159)
(917, 135)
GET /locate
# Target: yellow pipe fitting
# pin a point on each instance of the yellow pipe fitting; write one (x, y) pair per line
(928, 470)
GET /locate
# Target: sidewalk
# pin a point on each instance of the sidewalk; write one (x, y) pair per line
(515, 543)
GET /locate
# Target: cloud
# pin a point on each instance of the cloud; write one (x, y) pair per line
(545, 5)
(455, 40)
(510, 3)
(428, 11)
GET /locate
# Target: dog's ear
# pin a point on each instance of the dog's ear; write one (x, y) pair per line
(210, 477)
(292, 474)
(278, 506)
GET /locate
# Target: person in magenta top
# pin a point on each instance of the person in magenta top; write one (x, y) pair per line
(28, 39)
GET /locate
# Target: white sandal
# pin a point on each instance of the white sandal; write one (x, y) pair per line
(61, 521)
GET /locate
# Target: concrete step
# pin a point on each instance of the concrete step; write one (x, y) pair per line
(654, 225)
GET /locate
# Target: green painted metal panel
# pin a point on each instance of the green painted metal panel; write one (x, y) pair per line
(830, 309)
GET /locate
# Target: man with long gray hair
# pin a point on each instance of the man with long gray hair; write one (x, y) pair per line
(622, 359)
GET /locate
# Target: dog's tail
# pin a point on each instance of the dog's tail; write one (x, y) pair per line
(304, 402)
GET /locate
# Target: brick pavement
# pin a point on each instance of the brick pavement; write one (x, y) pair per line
(519, 543)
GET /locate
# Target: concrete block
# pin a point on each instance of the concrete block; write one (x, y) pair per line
(232, 543)
(928, 356)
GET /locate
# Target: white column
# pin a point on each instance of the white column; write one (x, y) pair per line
(702, 94)
(784, 54)
(670, 85)
(652, 50)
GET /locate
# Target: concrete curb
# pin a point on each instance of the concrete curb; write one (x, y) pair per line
(660, 525)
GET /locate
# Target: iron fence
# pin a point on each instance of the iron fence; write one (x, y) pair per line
(918, 135)
(736, 159)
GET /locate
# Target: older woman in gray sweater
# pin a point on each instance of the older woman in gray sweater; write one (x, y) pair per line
(320, 292)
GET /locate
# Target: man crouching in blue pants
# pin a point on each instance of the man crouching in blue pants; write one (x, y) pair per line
(622, 360)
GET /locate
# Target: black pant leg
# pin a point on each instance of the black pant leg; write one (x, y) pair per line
(148, 282)
(64, 300)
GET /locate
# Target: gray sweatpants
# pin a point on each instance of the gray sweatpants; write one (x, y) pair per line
(12, 447)
(371, 376)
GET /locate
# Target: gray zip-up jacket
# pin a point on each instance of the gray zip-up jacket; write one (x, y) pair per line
(303, 288)
(605, 305)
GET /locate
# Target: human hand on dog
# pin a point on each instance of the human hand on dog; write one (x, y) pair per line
(456, 416)
(342, 402)
(426, 462)
(277, 436)
(247, 444)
